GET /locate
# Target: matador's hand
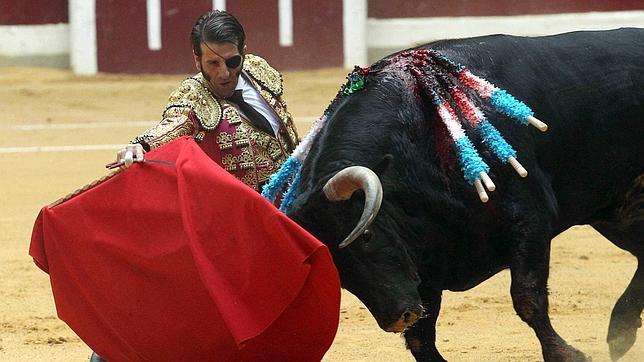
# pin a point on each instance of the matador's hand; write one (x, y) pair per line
(128, 155)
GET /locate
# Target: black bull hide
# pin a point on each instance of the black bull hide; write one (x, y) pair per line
(432, 233)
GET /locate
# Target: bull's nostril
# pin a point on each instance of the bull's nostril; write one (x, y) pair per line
(409, 317)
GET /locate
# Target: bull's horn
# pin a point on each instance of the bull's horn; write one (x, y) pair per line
(344, 183)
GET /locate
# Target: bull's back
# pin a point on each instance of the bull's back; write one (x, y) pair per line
(589, 88)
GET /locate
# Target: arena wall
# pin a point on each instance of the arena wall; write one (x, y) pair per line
(17, 12)
(34, 32)
(398, 24)
(386, 9)
(123, 34)
(152, 36)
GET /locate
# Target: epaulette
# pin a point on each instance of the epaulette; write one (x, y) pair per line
(194, 95)
(263, 73)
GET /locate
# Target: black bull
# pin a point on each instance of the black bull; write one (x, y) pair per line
(432, 233)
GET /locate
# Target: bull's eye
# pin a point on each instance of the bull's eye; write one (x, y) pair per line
(367, 235)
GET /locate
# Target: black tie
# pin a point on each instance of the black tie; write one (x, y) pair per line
(257, 118)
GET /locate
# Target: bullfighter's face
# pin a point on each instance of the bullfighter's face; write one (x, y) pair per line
(220, 64)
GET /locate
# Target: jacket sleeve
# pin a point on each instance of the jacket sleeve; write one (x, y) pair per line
(177, 122)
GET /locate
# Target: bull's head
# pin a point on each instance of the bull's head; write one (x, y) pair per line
(362, 213)
(373, 262)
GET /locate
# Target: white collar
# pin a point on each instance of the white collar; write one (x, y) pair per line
(242, 83)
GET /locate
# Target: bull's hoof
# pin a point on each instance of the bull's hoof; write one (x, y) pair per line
(621, 338)
(96, 358)
(568, 354)
(619, 345)
(423, 351)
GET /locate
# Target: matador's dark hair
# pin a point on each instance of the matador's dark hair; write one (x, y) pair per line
(217, 26)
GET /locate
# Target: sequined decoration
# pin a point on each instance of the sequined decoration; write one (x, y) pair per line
(448, 85)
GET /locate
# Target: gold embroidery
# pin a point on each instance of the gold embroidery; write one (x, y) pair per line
(195, 95)
(250, 180)
(225, 141)
(263, 73)
(275, 152)
(225, 146)
(175, 124)
(242, 143)
(268, 96)
(228, 162)
(246, 156)
(246, 165)
(262, 154)
(269, 154)
(232, 115)
(287, 121)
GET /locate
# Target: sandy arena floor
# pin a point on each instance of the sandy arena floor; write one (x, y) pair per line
(48, 108)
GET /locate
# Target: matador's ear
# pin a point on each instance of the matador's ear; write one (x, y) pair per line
(197, 59)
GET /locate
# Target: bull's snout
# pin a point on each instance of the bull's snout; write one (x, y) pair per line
(408, 318)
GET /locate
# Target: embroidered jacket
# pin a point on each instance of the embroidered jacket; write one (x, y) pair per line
(223, 133)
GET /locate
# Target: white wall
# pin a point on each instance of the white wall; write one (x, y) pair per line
(406, 32)
(34, 40)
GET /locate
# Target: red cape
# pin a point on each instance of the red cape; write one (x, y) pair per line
(185, 262)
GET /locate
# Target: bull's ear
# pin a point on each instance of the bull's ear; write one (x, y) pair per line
(383, 165)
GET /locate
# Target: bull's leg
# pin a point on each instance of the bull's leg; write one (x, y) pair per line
(421, 337)
(626, 316)
(529, 270)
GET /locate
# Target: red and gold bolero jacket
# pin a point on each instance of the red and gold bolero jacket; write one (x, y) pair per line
(229, 139)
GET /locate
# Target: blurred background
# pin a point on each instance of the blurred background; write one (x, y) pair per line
(151, 36)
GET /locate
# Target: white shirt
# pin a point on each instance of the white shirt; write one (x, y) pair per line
(252, 97)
